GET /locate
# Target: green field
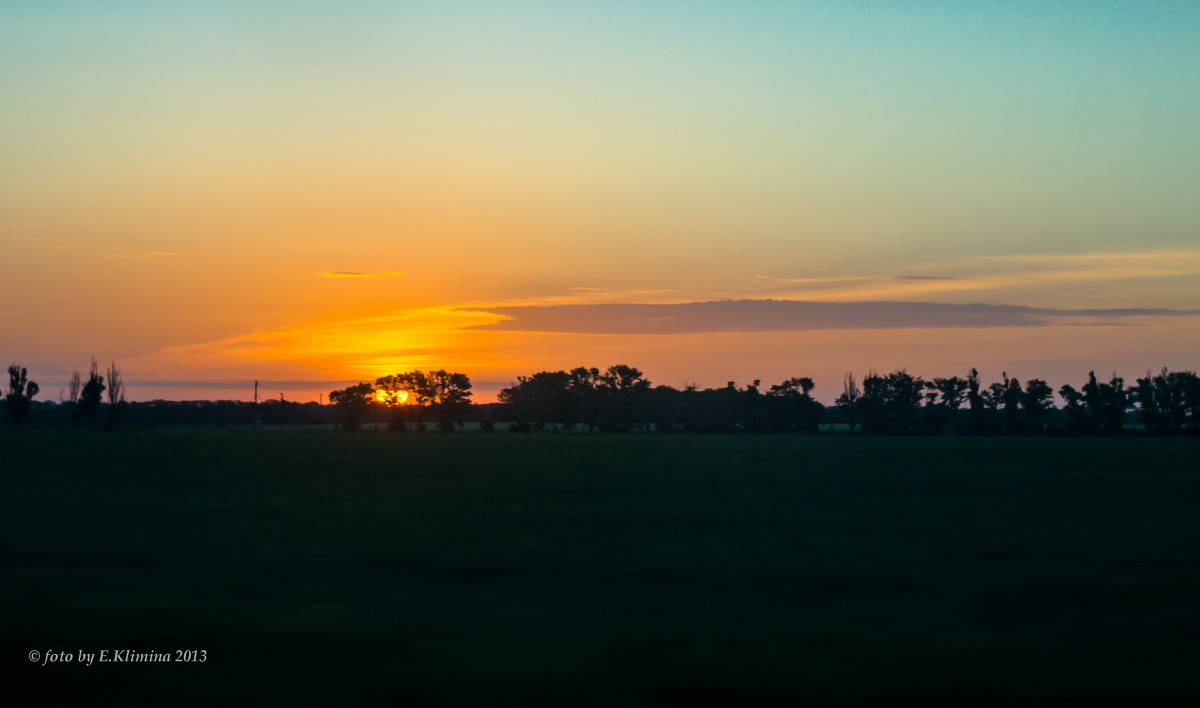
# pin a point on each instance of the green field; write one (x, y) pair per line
(426, 569)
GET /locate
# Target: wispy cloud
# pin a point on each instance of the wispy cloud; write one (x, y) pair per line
(818, 281)
(792, 316)
(353, 274)
(239, 384)
(1158, 256)
(986, 274)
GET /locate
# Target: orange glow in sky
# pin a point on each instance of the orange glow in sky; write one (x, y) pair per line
(399, 398)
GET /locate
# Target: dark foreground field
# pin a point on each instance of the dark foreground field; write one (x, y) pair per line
(391, 569)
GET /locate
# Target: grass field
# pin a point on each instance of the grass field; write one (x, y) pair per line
(396, 569)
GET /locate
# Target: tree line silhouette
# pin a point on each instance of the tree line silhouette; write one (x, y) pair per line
(81, 399)
(621, 399)
(407, 397)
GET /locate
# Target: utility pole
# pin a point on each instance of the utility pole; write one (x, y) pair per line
(257, 418)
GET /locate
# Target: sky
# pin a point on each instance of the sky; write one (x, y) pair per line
(312, 194)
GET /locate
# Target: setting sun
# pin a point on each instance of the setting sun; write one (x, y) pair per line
(391, 398)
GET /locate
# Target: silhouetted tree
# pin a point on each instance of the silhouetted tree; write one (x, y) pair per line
(1077, 418)
(450, 397)
(730, 413)
(872, 405)
(1103, 405)
(1114, 402)
(354, 402)
(979, 417)
(539, 400)
(664, 408)
(951, 392)
(1189, 384)
(1145, 395)
(91, 395)
(622, 389)
(848, 401)
(1036, 400)
(1167, 401)
(391, 392)
(20, 394)
(903, 396)
(515, 407)
(794, 405)
(1093, 401)
(1171, 397)
(71, 402)
(420, 394)
(891, 402)
(689, 407)
(582, 392)
(1008, 394)
(753, 409)
(116, 395)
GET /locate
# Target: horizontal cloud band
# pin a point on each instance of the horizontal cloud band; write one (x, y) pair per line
(788, 316)
(351, 274)
(274, 384)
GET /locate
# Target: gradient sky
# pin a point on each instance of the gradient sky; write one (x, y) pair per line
(312, 193)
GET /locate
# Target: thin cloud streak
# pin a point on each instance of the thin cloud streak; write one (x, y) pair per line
(352, 274)
(267, 384)
(791, 316)
(989, 273)
(235, 384)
